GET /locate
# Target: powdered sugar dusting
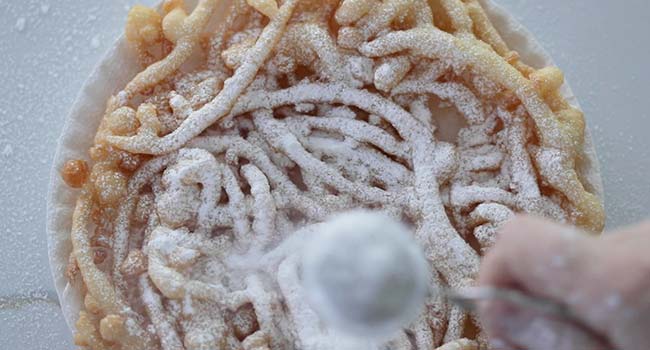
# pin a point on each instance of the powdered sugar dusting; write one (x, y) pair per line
(94, 42)
(244, 163)
(7, 150)
(21, 22)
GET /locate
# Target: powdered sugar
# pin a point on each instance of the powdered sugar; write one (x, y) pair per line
(7, 150)
(364, 274)
(613, 301)
(21, 22)
(559, 261)
(281, 171)
(94, 42)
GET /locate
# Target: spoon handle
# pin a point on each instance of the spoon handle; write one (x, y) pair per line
(469, 299)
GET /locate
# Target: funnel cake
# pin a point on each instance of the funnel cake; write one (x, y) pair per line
(253, 121)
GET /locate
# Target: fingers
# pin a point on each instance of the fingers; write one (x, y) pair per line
(604, 282)
(624, 284)
(517, 328)
(538, 257)
(544, 260)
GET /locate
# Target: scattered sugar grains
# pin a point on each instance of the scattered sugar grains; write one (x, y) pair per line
(7, 151)
(24, 264)
(559, 261)
(94, 42)
(20, 24)
(39, 325)
(614, 301)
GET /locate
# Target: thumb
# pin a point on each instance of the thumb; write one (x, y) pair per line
(541, 258)
(545, 260)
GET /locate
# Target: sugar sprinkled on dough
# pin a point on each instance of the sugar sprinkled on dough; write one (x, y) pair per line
(340, 168)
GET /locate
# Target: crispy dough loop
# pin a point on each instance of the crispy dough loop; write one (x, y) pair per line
(98, 284)
(460, 19)
(267, 7)
(549, 128)
(187, 37)
(219, 107)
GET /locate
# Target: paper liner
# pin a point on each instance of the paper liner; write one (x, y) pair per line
(118, 67)
(532, 53)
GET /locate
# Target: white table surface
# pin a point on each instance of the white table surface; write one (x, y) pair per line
(48, 48)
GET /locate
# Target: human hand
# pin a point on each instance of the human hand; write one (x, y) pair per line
(605, 283)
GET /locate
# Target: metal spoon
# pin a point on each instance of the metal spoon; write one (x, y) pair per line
(469, 299)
